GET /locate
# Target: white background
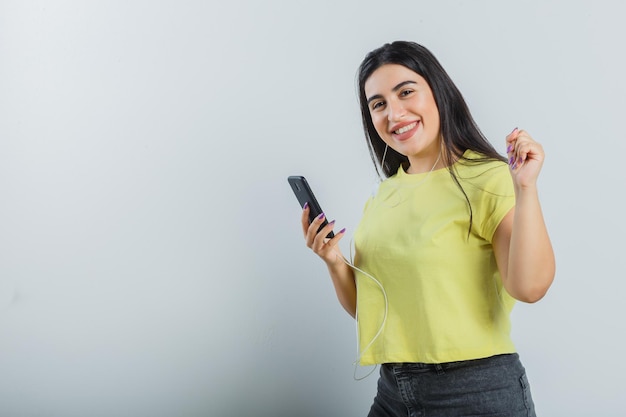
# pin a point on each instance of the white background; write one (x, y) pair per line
(151, 261)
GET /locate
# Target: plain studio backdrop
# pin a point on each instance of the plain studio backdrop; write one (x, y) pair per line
(151, 258)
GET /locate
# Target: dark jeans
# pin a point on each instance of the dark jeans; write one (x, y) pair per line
(495, 386)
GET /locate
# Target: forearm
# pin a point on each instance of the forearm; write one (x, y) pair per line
(531, 265)
(345, 287)
(327, 249)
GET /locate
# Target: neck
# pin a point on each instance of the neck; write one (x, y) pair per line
(426, 164)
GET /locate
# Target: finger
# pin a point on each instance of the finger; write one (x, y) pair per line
(321, 241)
(327, 248)
(312, 230)
(321, 227)
(511, 137)
(518, 151)
(529, 150)
(305, 218)
(518, 155)
(326, 230)
(330, 244)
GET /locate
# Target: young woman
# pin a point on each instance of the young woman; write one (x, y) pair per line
(453, 236)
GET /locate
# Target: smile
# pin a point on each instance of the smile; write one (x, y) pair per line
(405, 128)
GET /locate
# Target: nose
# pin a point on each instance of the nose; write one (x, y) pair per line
(396, 111)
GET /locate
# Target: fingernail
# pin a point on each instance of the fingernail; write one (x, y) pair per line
(513, 131)
(331, 223)
(510, 160)
(305, 206)
(509, 148)
(342, 231)
(320, 217)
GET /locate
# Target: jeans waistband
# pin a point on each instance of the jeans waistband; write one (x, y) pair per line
(437, 367)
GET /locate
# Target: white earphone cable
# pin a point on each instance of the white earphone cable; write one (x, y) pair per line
(360, 353)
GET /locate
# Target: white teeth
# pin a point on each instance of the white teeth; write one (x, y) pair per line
(405, 128)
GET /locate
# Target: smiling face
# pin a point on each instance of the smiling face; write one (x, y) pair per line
(404, 114)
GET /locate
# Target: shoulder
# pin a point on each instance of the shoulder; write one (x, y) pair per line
(489, 187)
(474, 161)
(477, 170)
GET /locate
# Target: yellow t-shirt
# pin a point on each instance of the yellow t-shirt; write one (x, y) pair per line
(444, 293)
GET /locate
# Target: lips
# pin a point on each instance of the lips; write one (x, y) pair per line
(405, 130)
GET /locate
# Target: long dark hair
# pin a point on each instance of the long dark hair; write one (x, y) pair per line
(459, 131)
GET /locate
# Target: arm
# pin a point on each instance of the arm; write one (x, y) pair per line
(327, 249)
(521, 243)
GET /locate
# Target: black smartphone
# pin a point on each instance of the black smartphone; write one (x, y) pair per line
(304, 194)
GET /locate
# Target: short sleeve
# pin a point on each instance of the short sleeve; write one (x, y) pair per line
(494, 197)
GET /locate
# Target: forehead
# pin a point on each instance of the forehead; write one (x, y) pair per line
(388, 76)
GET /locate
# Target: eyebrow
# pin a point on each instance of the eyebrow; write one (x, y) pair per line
(396, 88)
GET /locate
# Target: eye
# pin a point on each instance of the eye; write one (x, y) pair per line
(406, 92)
(376, 105)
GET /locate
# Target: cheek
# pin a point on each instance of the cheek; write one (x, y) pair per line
(433, 115)
(435, 119)
(434, 111)
(379, 124)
